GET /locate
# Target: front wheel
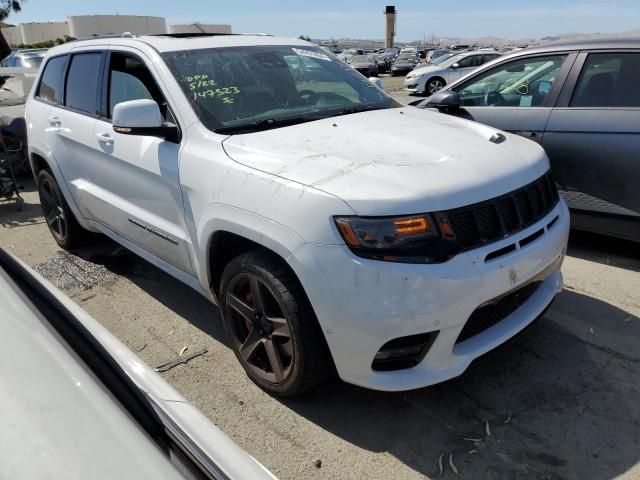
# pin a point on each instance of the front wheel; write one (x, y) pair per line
(272, 327)
(60, 219)
(434, 85)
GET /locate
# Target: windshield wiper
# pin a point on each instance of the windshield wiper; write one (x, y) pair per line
(265, 124)
(349, 111)
(268, 123)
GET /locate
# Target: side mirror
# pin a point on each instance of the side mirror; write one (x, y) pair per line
(455, 65)
(142, 117)
(377, 82)
(444, 100)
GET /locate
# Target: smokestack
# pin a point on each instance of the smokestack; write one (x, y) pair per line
(390, 15)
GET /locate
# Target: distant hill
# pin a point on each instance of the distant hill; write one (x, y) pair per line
(486, 41)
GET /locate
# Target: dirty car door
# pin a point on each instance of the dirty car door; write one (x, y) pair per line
(593, 135)
(136, 189)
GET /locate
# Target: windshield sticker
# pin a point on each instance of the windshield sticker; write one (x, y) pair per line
(310, 53)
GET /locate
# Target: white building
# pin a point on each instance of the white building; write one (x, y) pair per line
(35, 32)
(86, 26)
(200, 28)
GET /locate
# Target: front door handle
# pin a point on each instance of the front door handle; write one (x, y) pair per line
(55, 122)
(526, 134)
(104, 138)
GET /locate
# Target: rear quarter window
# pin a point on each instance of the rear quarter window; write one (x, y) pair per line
(50, 87)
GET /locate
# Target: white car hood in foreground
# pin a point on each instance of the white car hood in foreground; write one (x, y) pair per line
(394, 161)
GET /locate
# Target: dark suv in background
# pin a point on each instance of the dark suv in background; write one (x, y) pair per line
(581, 102)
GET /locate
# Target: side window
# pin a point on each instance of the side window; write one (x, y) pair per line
(130, 79)
(83, 81)
(471, 61)
(50, 87)
(489, 57)
(609, 80)
(520, 83)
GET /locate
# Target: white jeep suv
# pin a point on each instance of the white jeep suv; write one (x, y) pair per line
(332, 225)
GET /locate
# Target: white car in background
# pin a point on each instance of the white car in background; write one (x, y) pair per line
(335, 227)
(428, 79)
(77, 403)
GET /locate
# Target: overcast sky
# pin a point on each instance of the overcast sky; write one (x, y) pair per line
(364, 18)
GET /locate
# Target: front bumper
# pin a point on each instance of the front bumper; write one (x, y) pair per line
(362, 304)
(415, 85)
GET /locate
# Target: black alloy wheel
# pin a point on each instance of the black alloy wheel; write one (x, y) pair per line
(259, 327)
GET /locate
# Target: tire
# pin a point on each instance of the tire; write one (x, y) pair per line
(434, 85)
(62, 223)
(282, 324)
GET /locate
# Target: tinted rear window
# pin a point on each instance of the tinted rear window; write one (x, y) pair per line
(82, 82)
(609, 80)
(51, 84)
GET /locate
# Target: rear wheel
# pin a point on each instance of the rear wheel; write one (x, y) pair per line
(271, 325)
(60, 219)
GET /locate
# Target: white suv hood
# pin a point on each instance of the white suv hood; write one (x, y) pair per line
(394, 161)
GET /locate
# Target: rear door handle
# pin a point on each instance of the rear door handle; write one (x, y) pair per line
(104, 138)
(55, 122)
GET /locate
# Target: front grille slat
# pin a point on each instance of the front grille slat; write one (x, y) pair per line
(496, 218)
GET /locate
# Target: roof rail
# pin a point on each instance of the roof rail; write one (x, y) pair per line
(192, 34)
(110, 35)
(204, 34)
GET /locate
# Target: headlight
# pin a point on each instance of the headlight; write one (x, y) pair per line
(409, 238)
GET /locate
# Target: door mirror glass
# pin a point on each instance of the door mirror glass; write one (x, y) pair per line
(137, 114)
(142, 117)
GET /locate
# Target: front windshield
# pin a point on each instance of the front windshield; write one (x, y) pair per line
(239, 87)
(403, 57)
(442, 58)
(447, 62)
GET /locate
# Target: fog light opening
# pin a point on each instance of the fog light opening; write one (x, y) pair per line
(403, 352)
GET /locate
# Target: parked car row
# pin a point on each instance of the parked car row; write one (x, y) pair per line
(581, 102)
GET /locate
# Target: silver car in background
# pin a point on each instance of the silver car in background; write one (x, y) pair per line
(428, 79)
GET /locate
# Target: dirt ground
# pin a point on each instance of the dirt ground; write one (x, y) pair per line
(561, 401)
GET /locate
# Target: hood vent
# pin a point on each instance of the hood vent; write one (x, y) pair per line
(498, 138)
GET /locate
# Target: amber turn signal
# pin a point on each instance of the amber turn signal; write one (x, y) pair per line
(411, 226)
